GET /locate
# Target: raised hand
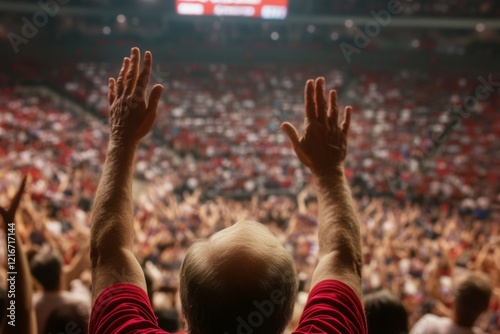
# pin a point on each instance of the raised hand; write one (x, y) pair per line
(131, 117)
(323, 144)
(9, 215)
(24, 286)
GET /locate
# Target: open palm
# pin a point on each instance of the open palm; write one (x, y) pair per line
(131, 116)
(323, 144)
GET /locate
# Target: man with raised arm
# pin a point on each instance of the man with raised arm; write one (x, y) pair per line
(241, 280)
(332, 306)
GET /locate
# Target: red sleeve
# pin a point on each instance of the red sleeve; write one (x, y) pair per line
(123, 308)
(332, 308)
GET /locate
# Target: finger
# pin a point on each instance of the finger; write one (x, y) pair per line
(143, 81)
(320, 100)
(111, 91)
(293, 136)
(291, 133)
(120, 83)
(154, 99)
(131, 80)
(309, 100)
(17, 199)
(333, 112)
(347, 120)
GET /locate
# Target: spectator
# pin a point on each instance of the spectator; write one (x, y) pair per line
(472, 297)
(168, 318)
(243, 270)
(22, 320)
(385, 313)
(46, 268)
(66, 319)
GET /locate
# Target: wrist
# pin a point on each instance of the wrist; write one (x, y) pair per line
(122, 145)
(333, 174)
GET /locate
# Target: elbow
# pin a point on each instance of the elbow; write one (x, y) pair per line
(345, 256)
(105, 240)
(99, 248)
(351, 261)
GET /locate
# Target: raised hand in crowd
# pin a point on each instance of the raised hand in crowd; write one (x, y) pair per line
(322, 147)
(132, 115)
(20, 316)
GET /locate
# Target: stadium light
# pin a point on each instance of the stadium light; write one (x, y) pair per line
(349, 23)
(480, 27)
(121, 19)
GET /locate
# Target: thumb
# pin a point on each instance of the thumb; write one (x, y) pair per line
(291, 133)
(154, 98)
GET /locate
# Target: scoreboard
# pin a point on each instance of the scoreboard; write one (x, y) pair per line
(266, 9)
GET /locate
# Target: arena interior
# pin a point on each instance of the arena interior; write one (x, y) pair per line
(423, 148)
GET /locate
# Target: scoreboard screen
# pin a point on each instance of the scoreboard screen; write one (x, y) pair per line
(266, 9)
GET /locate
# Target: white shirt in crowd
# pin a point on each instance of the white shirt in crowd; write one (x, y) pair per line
(432, 324)
(47, 302)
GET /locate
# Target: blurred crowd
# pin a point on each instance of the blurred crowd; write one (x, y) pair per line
(227, 134)
(217, 156)
(414, 250)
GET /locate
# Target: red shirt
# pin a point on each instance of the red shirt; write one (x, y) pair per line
(332, 308)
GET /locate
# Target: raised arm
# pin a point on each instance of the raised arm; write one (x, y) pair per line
(322, 148)
(112, 230)
(78, 264)
(20, 317)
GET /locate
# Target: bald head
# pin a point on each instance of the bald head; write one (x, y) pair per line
(241, 276)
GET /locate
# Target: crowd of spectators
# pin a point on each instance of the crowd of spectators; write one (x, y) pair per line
(218, 135)
(229, 132)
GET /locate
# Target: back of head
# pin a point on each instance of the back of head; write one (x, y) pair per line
(46, 269)
(66, 319)
(385, 313)
(240, 280)
(168, 320)
(472, 297)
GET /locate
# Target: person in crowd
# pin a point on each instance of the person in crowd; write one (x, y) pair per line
(168, 318)
(241, 279)
(385, 313)
(472, 296)
(20, 313)
(66, 319)
(46, 268)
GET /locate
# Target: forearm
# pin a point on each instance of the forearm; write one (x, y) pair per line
(112, 217)
(78, 264)
(338, 230)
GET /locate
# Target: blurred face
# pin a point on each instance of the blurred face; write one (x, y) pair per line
(312, 208)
